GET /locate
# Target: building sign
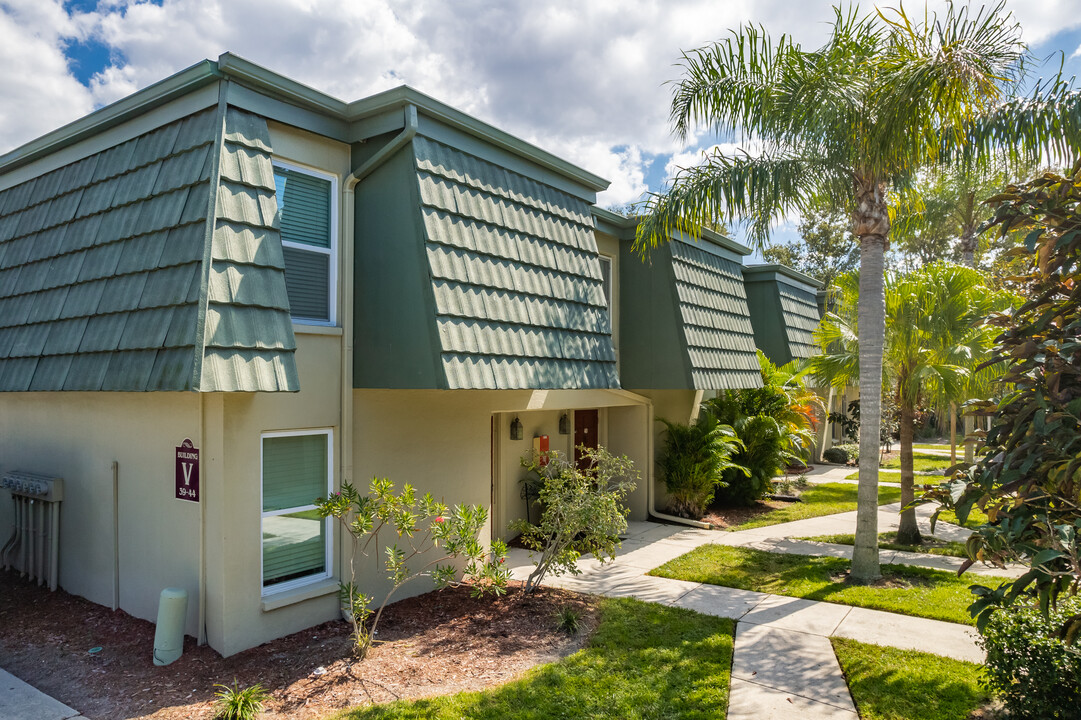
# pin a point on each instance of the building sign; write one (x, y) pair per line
(187, 472)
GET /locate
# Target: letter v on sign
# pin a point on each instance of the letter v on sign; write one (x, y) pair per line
(186, 475)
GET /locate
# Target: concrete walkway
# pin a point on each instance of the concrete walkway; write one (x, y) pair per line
(783, 664)
(19, 701)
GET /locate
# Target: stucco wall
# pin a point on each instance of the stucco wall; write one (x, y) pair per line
(78, 436)
(675, 406)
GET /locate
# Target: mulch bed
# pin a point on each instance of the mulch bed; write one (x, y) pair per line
(432, 644)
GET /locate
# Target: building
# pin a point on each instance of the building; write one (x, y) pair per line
(231, 269)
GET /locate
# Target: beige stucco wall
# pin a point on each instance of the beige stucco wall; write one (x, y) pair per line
(78, 436)
(676, 406)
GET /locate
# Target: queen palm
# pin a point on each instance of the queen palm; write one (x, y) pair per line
(935, 339)
(884, 98)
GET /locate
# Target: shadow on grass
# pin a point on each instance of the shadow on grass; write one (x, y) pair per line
(893, 684)
(644, 661)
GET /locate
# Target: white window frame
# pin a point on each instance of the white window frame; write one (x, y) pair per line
(610, 300)
(332, 250)
(328, 553)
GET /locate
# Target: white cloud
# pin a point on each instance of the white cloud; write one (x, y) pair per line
(584, 80)
(37, 91)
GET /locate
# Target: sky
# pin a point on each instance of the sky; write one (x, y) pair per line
(587, 80)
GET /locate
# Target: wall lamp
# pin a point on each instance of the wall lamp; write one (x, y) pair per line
(516, 429)
(564, 424)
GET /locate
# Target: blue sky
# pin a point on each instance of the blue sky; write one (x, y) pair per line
(584, 80)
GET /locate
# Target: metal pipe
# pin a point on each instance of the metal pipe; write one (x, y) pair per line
(30, 539)
(116, 535)
(387, 150)
(54, 564)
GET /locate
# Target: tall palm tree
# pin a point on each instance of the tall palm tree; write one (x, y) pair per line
(935, 339)
(882, 99)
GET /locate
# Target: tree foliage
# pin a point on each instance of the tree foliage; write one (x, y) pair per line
(1028, 477)
(693, 462)
(582, 511)
(826, 247)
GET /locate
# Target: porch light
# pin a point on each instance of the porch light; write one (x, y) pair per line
(564, 424)
(516, 429)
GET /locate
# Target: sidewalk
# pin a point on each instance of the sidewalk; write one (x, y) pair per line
(19, 701)
(783, 663)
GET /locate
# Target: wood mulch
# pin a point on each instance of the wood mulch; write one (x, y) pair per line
(438, 643)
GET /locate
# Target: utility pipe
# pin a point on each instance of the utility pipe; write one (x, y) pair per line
(348, 242)
(116, 535)
(650, 481)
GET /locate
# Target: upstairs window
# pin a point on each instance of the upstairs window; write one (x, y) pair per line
(307, 217)
(606, 283)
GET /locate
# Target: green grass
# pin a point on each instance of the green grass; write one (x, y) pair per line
(824, 499)
(888, 541)
(891, 684)
(975, 517)
(921, 592)
(921, 461)
(887, 476)
(644, 661)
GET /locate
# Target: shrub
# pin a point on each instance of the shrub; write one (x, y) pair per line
(693, 461)
(836, 454)
(582, 511)
(1035, 671)
(236, 704)
(423, 527)
(568, 620)
(842, 454)
(762, 457)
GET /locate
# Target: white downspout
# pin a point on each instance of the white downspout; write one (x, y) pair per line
(651, 493)
(348, 242)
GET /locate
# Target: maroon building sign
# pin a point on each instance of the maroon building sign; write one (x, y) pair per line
(187, 471)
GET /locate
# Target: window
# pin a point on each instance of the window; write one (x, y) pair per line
(296, 541)
(606, 283)
(307, 217)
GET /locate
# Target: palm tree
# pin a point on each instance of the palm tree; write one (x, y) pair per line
(884, 98)
(935, 339)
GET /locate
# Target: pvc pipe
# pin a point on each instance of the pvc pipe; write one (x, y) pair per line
(116, 535)
(650, 481)
(169, 633)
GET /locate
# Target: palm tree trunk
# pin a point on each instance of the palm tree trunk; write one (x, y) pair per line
(908, 533)
(953, 433)
(826, 426)
(871, 223)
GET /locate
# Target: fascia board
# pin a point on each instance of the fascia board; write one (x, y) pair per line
(361, 110)
(782, 273)
(185, 81)
(279, 86)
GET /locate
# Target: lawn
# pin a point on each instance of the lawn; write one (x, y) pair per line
(889, 476)
(921, 592)
(644, 661)
(975, 517)
(888, 541)
(891, 684)
(824, 499)
(921, 461)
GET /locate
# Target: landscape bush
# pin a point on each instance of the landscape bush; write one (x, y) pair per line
(693, 462)
(582, 511)
(1030, 664)
(445, 540)
(842, 454)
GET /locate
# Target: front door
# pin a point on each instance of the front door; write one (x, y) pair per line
(585, 433)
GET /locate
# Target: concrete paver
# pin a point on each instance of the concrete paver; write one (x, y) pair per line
(911, 633)
(793, 662)
(789, 613)
(19, 701)
(752, 701)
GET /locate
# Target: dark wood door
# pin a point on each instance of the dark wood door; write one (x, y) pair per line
(585, 433)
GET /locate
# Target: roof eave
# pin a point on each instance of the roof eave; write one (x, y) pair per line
(404, 95)
(766, 269)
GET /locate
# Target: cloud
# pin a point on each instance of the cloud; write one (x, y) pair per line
(37, 90)
(584, 80)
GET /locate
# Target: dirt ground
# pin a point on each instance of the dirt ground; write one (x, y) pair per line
(434, 644)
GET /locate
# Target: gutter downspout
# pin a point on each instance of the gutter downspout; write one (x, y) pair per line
(651, 495)
(348, 215)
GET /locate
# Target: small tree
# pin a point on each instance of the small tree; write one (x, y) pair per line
(582, 511)
(1028, 477)
(428, 529)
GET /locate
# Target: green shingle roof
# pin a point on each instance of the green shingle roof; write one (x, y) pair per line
(716, 323)
(103, 267)
(515, 277)
(784, 311)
